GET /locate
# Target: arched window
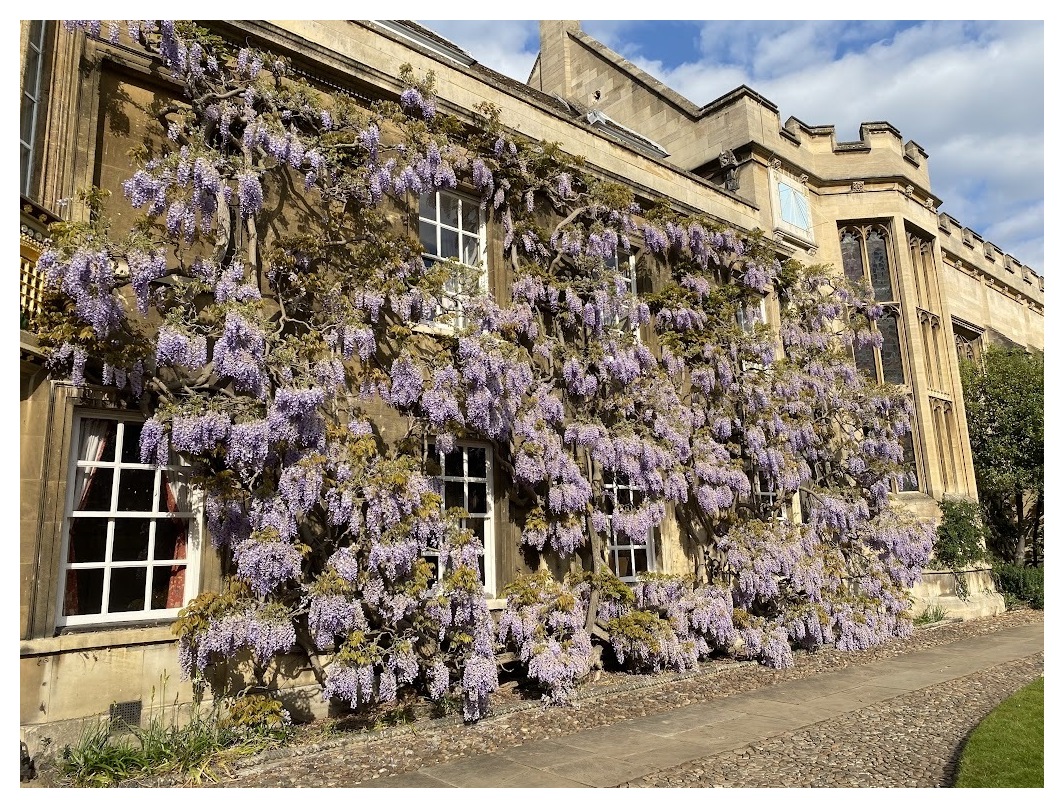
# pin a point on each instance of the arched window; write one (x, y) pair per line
(868, 259)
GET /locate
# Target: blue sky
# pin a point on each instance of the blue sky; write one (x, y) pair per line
(971, 93)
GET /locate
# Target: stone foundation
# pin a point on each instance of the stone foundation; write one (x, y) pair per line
(943, 588)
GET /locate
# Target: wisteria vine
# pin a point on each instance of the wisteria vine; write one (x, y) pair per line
(266, 361)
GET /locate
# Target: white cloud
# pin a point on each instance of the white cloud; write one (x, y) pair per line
(508, 46)
(970, 93)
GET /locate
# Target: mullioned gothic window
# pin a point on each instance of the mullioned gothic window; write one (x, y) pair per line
(867, 258)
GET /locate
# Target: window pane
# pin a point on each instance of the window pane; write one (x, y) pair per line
(477, 461)
(911, 482)
(170, 539)
(136, 489)
(427, 234)
(92, 490)
(26, 130)
(97, 439)
(470, 217)
(640, 554)
(131, 443)
(454, 495)
(878, 266)
(623, 565)
(448, 243)
(478, 498)
(852, 262)
(127, 589)
(427, 206)
(84, 592)
(476, 527)
(891, 351)
(131, 540)
(175, 492)
(452, 464)
(167, 587)
(470, 251)
(865, 359)
(449, 209)
(88, 540)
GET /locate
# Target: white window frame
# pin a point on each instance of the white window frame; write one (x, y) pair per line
(488, 550)
(31, 92)
(766, 496)
(432, 322)
(617, 546)
(631, 281)
(797, 191)
(194, 534)
(747, 327)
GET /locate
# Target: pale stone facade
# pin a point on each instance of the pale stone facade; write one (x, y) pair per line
(629, 128)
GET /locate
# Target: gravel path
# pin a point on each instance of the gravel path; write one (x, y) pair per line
(912, 741)
(908, 741)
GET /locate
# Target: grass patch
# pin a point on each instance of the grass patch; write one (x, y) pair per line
(107, 754)
(930, 614)
(1007, 750)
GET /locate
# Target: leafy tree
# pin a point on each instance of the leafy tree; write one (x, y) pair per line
(265, 364)
(1004, 397)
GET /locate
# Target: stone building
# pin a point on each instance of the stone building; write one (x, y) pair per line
(864, 205)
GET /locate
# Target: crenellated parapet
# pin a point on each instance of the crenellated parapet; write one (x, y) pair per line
(978, 258)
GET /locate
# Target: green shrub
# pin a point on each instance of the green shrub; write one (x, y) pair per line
(1020, 584)
(961, 538)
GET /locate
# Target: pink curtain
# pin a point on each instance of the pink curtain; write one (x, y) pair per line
(175, 595)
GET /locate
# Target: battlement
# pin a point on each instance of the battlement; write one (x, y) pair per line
(981, 258)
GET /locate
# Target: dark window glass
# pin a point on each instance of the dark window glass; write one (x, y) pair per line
(427, 234)
(94, 485)
(131, 443)
(88, 539)
(427, 206)
(448, 243)
(168, 532)
(452, 464)
(477, 461)
(160, 585)
(84, 592)
(852, 261)
(136, 489)
(127, 589)
(879, 268)
(890, 353)
(911, 483)
(454, 495)
(470, 218)
(449, 210)
(131, 540)
(865, 359)
(478, 498)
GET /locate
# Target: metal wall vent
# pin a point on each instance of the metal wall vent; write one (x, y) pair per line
(126, 714)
